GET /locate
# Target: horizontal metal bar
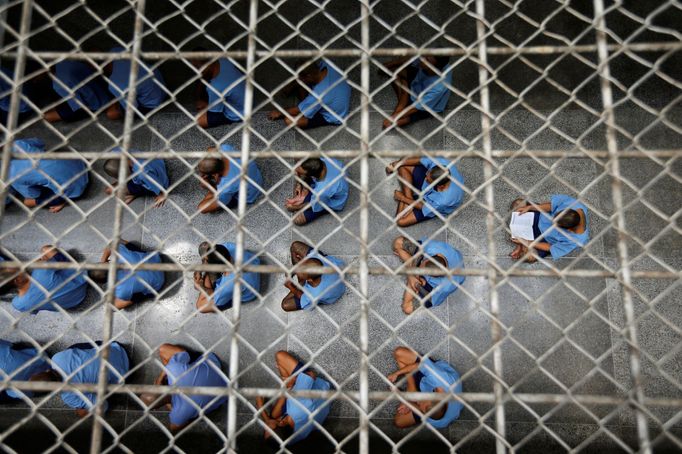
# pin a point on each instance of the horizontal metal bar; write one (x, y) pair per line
(380, 271)
(662, 46)
(300, 154)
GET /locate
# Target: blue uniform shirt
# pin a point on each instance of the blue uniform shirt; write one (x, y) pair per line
(69, 83)
(67, 177)
(331, 97)
(20, 365)
(440, 374)
(561, 241)
(149, 92)
(145, 282)
(226, 91)
(330, 288)
(182, 372)
(430, 91)
(228, 186)
(78, 365)
(149, 173)
(6, 89)
(443, 286)
(332, 192)
(50, 288)
(300, 408)
(447, 201)
(224, 286)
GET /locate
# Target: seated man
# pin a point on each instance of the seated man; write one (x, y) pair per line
(221, 178)
(428, 376)
(312, 289)
(327, 104)
(46, 288)
(131, 286)
(6, 89)
(328, 189)
(149, 177)
(80, 364)
(82, 92)
(437, 189)
(20, 364)
(428, 254)
(181, 370)
(215, 290)
(294, 418)
(149, 93)
(48, 181)
(560, 226)
(221, 89)
(421, 89)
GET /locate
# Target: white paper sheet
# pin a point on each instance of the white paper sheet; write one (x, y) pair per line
(521, 225)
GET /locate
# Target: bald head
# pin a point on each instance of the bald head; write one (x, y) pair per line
(210, 166)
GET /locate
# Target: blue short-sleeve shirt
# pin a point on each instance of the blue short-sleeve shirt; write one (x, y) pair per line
(561, 241)
(202, 372)
(331, 97)
(443, 286)
(6, 89)
(440, 374)
(331, 287)
(447, 201)
(78, 365)
(20, 365)
(332, 192)
(149, 173)
(145, 282)
(50, 288)
(70, 83)
(149, 92)
(300, 409)
(228, 186)
(226, 91)
(224, 286)
(430, 91)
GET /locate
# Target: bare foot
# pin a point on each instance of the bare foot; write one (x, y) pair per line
(128, 199)
(109, 190)
(517, 252)
(57, 208)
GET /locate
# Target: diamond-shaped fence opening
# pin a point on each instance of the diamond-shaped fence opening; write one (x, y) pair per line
(340, 226)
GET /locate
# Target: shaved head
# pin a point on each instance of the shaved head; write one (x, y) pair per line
(211, 166)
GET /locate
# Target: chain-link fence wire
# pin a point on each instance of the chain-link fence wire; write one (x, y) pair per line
(558, 97)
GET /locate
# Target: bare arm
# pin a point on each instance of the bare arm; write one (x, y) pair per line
(403, 371)
(544, 207)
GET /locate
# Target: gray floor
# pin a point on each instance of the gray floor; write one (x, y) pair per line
(560, 335)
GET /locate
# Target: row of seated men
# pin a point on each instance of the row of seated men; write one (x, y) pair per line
(285, 419)
(420, 85)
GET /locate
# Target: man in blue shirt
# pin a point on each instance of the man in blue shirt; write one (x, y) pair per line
(292, 419)
(146, 178)
(328, 102)
(19, 363)
(131, 286)
(428, 376)
(216, 289)
(325, 190)
(221, 178)
(80, 364)
(46, 181)
(221, 90)
(427, 186)
(150, 91)
(6, 89)
(81, 90)
(421, 89)
(559, 226)
(428, 255)
(180, 370)
(45, 288)
(312, 289)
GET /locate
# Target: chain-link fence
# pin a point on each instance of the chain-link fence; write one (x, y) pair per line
(355, 285)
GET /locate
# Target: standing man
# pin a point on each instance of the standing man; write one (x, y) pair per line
(438, 186)
(221, 90)
(327, 189)
(49, 181)
(428, 376)
(220, 176)
(180, 370)
(149, 178)
(428, 255)
(82, 92)
(327, 104)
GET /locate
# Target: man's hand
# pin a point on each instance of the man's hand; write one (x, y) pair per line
(521, 241)
(400, 197)
(388, 122)
(129, 199)
(275, 115)
(159, 200)
(413, 283)
(403, 409)
(525, 209)
(392, 167)
(393, 377)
